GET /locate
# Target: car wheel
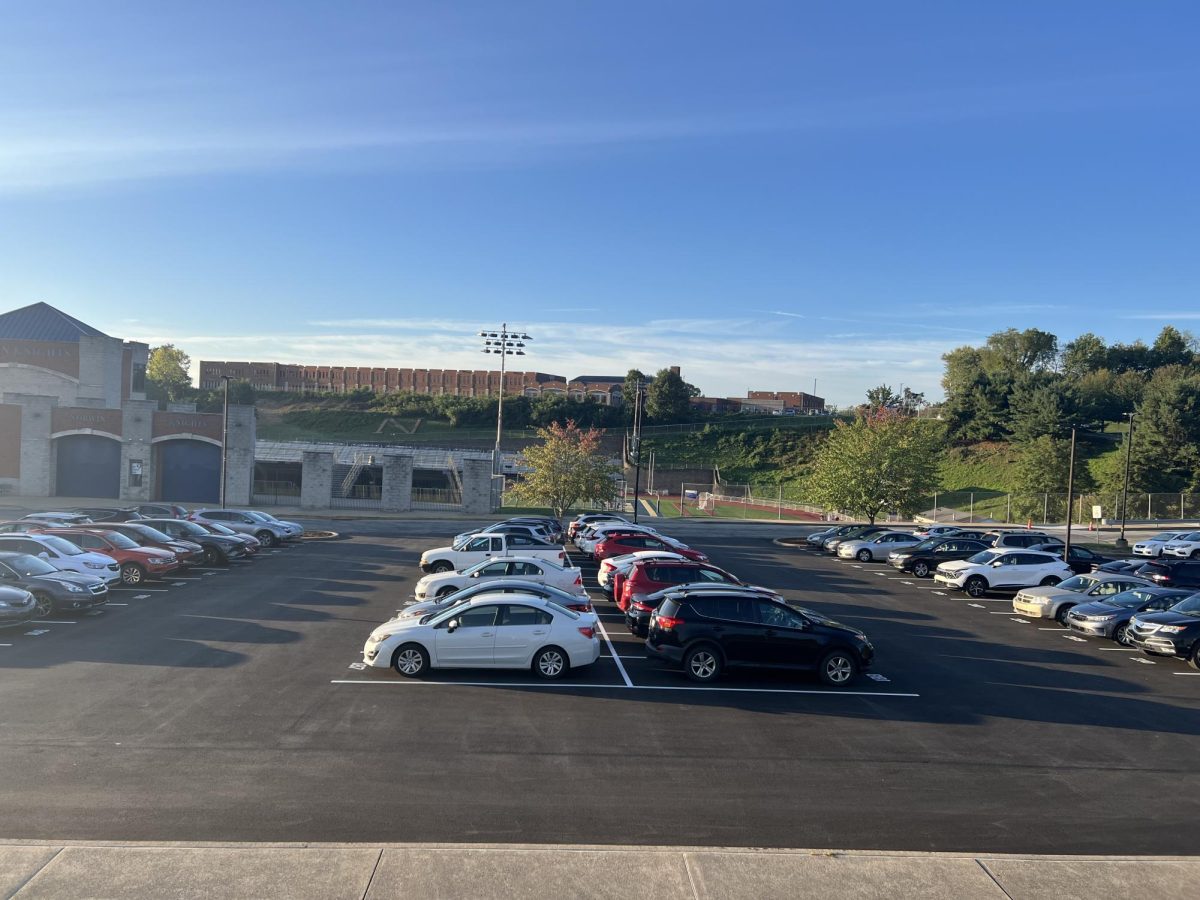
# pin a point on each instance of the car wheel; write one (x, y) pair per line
(214, 557)
(1049, 581)
(441, 566)
(1061, 616)
(446, 591)
(1196, 554)
(864, 555)
(44, 604)
(921, 570)
(266, 538)
(703, 663)
(551, 663)
(838, 668)
(1121, 633)
(976, 586)
(132, 574)
(1194, 660)
(411, 660)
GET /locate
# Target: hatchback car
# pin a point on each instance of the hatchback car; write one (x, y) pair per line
(618, 544)
(1178, 573)
(188, 553)
(615, 569)
(1055, 601)
(54, 591)
(1002, 570)
(707, 632)
(491, 631)
(1173, 632)
(1184, 546)
(1110, 617)
(218, 549)
(577, 602)
(923, 558)
(63, 555)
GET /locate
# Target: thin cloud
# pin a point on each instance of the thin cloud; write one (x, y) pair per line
(1164, 316)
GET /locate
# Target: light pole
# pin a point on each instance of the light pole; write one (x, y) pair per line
(637, 448)
(1121, 542)
(1070, 497)
(506, 343)
(225, 440)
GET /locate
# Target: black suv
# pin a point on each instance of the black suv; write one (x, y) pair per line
(1082, 559)
(705, 631)
(1174, 632)
(1175, 573)
(923, 558)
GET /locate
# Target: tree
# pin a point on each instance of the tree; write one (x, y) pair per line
(567, 467)
(1035, 409)
(884, 461)
(668, 397)
(241, 392)
(1087, 353)
(629, 392)
(882, 397)
(1040, 478)
(167, 372)
(1172, 347)
(1166, 442)
(1018, 352)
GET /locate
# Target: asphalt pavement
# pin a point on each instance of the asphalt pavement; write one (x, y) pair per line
(228, 706)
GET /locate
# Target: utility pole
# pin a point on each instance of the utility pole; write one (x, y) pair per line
(225, 440)
(1121, 543)
(637, 449)
(1070, 497)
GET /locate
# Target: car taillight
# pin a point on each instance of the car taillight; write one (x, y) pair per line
(585, 606)
(644, 607)
(562, 555)
(588, 633)
(666, 623)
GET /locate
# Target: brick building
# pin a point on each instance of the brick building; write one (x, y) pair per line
(270, 376)
(770, 402)
(75, 421)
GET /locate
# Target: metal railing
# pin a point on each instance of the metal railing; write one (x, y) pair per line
(437, 498)
(276, 493)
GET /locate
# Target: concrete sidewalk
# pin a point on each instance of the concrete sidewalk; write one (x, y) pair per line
(382, 871)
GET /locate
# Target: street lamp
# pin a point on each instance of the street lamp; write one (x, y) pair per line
(506, 343)
(637, 448)
(225, 439)
(1121, 543)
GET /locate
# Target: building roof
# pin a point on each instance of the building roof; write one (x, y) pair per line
(42, 322)
(600, 379)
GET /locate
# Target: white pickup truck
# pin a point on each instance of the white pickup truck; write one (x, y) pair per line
(478, 547)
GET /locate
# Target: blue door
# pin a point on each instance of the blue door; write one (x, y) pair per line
(88, 466)
(189, 472)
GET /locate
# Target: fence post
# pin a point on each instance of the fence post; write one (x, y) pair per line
(1149, 500)
(1046, 508)
(935, 506)
(1181, 504)
(779, 503)
(1008, 514)
(972, 519)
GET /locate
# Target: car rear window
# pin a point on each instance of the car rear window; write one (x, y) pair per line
(669, 607)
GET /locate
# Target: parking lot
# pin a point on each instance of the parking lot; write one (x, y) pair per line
(231, 705)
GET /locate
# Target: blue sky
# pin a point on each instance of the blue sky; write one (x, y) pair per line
(762, 193)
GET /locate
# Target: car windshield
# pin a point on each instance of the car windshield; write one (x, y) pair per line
(1190, 536)
(1164, 536)
(1079, 583)
(62, 545)
(1189, 607)
(119, 541)
(928, 544)
(30, 565)
(1129, 599)
(985, 556)
(218, 528)
(153, 533)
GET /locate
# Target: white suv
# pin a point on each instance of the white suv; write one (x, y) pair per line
(1002, 570)
(1185, 546)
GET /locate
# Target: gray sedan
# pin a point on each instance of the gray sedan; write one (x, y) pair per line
(1110, 617)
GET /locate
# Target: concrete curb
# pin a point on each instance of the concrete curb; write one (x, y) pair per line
(374, 871)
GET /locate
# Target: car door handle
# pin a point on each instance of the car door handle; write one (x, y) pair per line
(486, 634)
(540, 632)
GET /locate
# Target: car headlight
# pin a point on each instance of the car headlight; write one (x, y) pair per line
(74, 588)
(95, 565)
(378, 637)
(1173, 629)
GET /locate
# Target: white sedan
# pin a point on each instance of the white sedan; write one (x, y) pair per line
(527, 568)
(1153, 546)
(491, 631)
(1185, 546)
(877, 546)
(623, 563)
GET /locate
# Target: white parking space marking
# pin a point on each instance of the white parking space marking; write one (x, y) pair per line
(940, 593)
(1173, 673)
(977, 605)
(116, 604)
(178, 584)
(1177, 673)
(1015, 619)
(1113, 649)
(613, 651)
(188, 579)
(1052, 629)
(37, 631)
(617, 687)
(1005, 612)
(875, 676)
(141, 596)
(51, 622)
(144, 590)
(1142, 659)
(908, 582)
(1076, 638)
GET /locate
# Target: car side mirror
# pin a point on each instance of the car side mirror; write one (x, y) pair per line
(452, 626)
(474, 574)
(44, 555)
(997, 564)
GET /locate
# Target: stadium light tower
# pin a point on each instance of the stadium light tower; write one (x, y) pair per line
(506, 343)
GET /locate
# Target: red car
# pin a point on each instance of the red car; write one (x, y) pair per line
(651, 575)
(137, 563)
(616, 543)
(186, 552)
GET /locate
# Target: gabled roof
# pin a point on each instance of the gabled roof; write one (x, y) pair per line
(42, 322)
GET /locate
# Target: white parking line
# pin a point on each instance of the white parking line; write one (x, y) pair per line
(1052, 629)
(1020, 621)
(1173, 673)
(1177, 673)
(187, 579)
(141, 596)
(977, 605)
(50, 622)
(178, 584)
(908, 582)
(940, 593)
(617, 687)
(1113, 649)
(116, 604)
(1006, 612)
(1141, 659)
(613, 651)
(145, 590)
